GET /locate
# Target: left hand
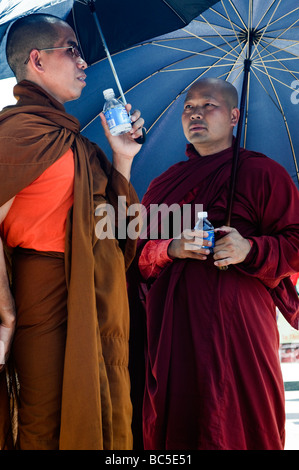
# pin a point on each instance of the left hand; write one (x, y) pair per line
(232, 248)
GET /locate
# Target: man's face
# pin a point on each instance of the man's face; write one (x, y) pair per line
(208, 119)
(63, 76)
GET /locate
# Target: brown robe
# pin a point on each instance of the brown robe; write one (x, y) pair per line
(96, 408)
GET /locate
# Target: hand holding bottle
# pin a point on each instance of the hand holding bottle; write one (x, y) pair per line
(124, 146)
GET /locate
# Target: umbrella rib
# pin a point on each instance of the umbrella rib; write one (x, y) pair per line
(263, 16)
(282, 69)
(236, 11)
(281, 49)
(277, 37)
(267, 25)
(231, 23)
(283, 116)
(276, 79)
(174, 11)
(198, 67)
(221, 16)
(235, 67)
(196, 53)
(210, 43)
(275, 31)
(203, 23)
(280, 18)
(257, 67)
(233, 70)
(262, 85)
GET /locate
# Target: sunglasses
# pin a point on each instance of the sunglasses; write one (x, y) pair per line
(74, 51)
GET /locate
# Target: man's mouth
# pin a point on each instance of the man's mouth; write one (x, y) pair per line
(82, 78)
(197, 127)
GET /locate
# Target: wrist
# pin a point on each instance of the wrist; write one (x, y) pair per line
(122, 164)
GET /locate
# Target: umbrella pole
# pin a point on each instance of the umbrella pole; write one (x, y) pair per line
(247, 64)
(93, 12)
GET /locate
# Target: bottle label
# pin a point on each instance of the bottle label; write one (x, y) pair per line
(117, 116)
(210, 238)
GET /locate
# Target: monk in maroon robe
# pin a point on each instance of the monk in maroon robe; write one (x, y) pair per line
(213, 377)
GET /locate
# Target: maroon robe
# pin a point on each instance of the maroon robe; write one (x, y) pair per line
(213, 377)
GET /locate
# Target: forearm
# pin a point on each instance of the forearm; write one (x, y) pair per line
(123, 165)
(153, 258)
(273, 258)
(7, 312)
(7, 306)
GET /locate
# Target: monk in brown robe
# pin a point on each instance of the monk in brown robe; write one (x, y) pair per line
(66, 325)
(212, 372)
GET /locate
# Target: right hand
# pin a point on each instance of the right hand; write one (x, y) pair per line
(7, 329)
(190, 245)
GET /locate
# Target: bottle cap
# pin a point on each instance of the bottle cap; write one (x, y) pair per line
(200, 215)
(109, 93)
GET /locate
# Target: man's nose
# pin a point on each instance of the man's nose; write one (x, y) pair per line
(81, 64)
(197, 112)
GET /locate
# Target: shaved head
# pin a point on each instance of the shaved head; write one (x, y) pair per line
(227, 90)
(210, 115)
(36, 31)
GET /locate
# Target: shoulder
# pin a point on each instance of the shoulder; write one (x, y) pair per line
(257, 164)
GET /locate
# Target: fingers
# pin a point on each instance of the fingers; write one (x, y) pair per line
(232, 248)
(190, 244)
(105, 126)
(137, 124)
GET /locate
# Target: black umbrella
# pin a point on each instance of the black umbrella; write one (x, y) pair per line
(123, 23)
(104, 28)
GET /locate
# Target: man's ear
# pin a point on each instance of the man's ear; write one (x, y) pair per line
(235, 115)
(35, 60)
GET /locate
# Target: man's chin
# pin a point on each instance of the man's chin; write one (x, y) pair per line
(197, 138)
(75, 96)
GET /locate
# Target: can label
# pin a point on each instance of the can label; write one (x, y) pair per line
(117, 116)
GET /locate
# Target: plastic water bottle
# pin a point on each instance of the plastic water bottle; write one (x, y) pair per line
(116, 114)
(204, 224)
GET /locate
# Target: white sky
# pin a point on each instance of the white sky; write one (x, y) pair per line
(6, 95)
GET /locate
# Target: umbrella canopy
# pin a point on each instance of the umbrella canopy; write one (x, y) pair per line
(156, 73)
(263, 35)
(123, 24)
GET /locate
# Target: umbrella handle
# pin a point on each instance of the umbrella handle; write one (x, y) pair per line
(140, 140)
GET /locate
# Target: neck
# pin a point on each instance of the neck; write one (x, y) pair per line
(210, 148)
